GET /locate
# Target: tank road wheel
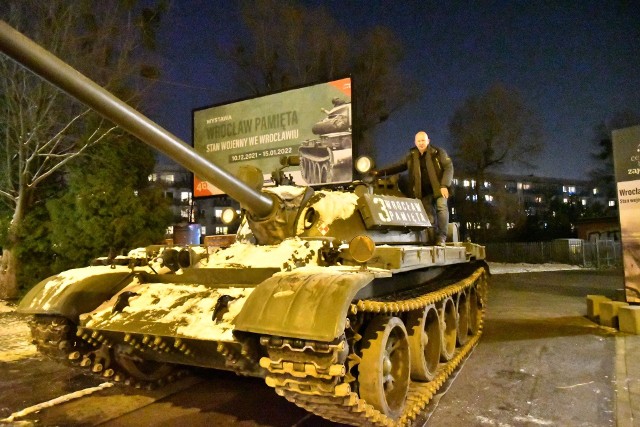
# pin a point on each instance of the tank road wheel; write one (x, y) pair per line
(326, 173)
(144, 370)
(475, 311)
(425, 342)
(304, 168)
(385, 366)
(448, 328)
(323, 173)
(463, 318)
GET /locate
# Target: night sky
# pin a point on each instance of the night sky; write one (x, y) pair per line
(575, 63)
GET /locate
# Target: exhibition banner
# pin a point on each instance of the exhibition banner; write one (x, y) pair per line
(626, 156)
(312, 122)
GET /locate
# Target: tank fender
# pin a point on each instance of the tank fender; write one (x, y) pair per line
(302, 304)
(76, 291)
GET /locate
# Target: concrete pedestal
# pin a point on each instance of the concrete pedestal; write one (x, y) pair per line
(609, 312)
(629, 319)
(593, 306)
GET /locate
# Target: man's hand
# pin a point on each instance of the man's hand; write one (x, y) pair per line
(445, 192)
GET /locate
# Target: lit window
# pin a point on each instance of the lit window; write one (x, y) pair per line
(466, 183)
(218, 212)
(203, 230)
(170, 229)
(565, 200)
(222, 230)
(526, 186)
(153, 177)
(487, 184)
(595, 191)
(584, 202)
(184, 213)
(612, 202)
(488, 198)
(185, 196)
(453, 211)
(474, 198)
(455, 181)
(539, 199)
(168, 178)
(570, 189)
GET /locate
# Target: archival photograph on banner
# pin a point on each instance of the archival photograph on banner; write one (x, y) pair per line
(626, 152)
(301, 136)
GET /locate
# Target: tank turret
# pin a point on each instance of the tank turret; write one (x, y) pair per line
(334, 297)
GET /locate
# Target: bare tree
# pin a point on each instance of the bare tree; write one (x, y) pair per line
(381, 88)
(490, 131)
(43, 129)
(291, 45)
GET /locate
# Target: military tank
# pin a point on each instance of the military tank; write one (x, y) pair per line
(336, 298)
(327, 159)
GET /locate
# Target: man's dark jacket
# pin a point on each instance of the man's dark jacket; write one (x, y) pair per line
(441, 162)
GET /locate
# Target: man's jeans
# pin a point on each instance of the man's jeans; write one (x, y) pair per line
(438, 214)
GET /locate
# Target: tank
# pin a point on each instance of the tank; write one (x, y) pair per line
(327, 159)
(336, 297)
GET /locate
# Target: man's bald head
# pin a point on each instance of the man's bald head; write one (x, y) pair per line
(422, 141)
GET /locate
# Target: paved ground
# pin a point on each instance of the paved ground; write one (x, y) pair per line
(539, 362)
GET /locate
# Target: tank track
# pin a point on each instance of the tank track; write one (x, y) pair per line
(320, 377)
(56, 337)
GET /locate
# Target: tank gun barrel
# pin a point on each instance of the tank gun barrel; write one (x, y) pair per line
(46, 65)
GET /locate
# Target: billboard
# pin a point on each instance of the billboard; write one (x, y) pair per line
(626, 157)
(312, 122)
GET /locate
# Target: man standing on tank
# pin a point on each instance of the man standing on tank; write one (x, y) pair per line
(430, 175)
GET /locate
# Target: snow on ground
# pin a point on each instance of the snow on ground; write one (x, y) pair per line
(504, 268)
(15, 338)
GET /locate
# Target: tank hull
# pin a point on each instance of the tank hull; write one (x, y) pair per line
(165, 325)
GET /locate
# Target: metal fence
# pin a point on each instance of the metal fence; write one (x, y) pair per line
(597, 254)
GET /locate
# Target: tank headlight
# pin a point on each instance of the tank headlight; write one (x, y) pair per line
(228, 216)
(364, 164)
(361, 248)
